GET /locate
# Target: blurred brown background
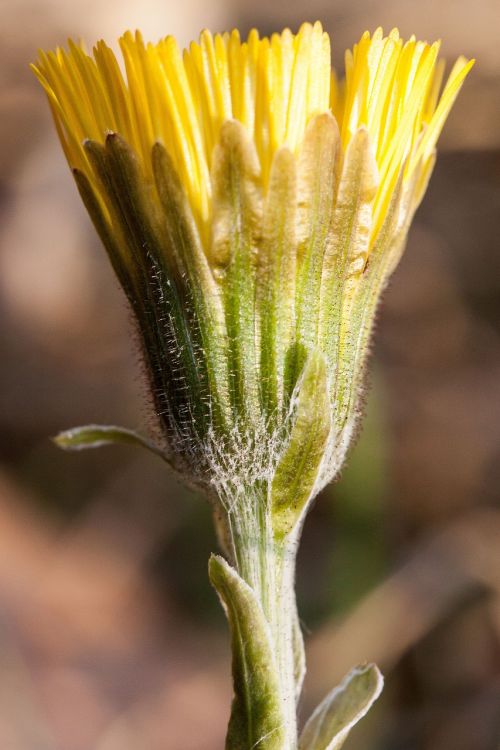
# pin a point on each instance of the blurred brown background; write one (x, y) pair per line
(110, 637)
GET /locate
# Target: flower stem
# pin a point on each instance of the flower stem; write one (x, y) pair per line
(267, 564)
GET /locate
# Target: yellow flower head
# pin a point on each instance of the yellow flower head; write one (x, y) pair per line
(253, 208)
(273, 86)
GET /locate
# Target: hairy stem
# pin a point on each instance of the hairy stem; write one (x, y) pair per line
(267, 564)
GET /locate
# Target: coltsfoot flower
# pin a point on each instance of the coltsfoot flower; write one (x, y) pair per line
(253, 208)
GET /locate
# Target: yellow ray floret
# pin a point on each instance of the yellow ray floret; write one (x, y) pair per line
(273, 86)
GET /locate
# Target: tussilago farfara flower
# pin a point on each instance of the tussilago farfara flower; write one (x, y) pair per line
(248, 226)
(253, 208)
